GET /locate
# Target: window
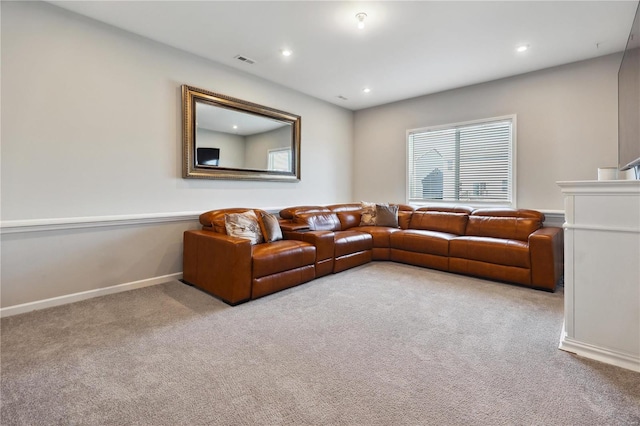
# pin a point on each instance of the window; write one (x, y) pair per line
(469, 162)
(280, 159)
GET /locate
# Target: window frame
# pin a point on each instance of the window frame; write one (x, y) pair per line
(272, 151)
(472, 203)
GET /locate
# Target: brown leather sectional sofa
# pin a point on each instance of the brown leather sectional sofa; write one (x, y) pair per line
(500, 244)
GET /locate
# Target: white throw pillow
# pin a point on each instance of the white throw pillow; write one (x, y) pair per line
(243, 225)
(368, 214)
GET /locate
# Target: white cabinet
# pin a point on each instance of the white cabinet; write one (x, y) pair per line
(602, 271)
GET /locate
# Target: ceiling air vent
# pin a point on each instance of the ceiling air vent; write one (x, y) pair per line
(244, 59)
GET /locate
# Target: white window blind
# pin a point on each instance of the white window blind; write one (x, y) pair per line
(280, 159)
(467, 162)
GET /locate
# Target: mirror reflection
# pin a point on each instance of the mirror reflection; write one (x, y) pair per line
(232, 139)
(228, 138)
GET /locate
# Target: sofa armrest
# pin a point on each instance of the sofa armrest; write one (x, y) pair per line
(219, 264)
(322, 240)
(546, 247)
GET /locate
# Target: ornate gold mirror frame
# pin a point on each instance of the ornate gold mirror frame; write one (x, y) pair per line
(228, 138)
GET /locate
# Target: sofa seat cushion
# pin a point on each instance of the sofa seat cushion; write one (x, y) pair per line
(348, 242)
(491, 250)
(428, 242)
(381, 235)
(280, 256)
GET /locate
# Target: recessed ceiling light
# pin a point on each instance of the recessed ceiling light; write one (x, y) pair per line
(286, 52)
(235, 127)
(522, 48)
(366, 90)
(360, 17)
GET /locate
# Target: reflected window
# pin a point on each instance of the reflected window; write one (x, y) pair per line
(280, 160)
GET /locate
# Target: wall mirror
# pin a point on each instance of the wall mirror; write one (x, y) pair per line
(228, 138)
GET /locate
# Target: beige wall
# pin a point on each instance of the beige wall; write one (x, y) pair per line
(258, 146)
(91, 127)
(232, 147)
(91, 124)
(566, 129)
(83, 104)
(47, 264)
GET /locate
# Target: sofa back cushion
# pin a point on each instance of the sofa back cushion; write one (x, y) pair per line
(348, 213)
(502, 212)
(450, 208)
(511, 228)
(214, 220)
(404, 218)
(404, 207)
(347, 207)
(289, 212)
(349, 219)
(319, 221)
(451, 223)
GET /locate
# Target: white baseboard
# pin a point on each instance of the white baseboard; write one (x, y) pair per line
(608, 356)
(84, 295)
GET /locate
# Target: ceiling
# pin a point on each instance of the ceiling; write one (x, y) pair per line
(233, 122)
(406, 49)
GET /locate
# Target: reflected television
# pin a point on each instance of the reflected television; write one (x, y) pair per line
(208, 156)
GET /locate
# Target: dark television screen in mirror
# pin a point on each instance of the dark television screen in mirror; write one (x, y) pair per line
(227, 138)
(207, 156)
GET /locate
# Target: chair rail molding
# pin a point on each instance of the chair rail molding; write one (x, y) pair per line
(57, 224)
(553, 217)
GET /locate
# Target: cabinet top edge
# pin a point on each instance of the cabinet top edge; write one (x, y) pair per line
(601, 187)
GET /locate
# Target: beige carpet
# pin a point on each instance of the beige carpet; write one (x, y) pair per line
(382, 344)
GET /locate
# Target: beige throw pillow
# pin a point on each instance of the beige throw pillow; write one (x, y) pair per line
(368, 214)
(243, 225)
(272, 231)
